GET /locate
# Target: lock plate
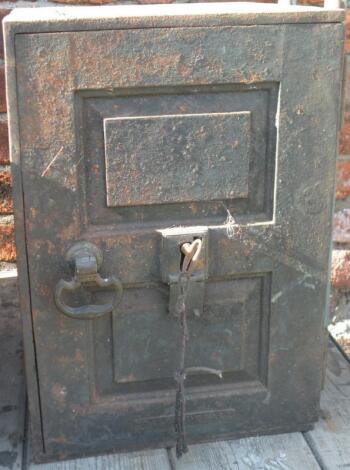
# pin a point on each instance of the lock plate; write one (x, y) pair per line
(171, 264)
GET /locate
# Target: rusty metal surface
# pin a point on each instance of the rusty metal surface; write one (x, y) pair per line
(259, 99)
(189, 158)
(86, 259)
(165, 16)
(108, 384)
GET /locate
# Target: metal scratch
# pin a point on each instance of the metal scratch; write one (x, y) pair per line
(80, 159)
(52, 162)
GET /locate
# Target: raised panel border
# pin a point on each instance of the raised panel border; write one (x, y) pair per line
(89, 123)
(102, 388)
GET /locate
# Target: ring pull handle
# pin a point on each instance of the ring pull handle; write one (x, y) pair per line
(86, 259)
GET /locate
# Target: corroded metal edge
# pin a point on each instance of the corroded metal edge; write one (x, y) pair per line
(22, 261)
(49, 19)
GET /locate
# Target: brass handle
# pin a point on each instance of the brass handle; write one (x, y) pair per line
(87, 259)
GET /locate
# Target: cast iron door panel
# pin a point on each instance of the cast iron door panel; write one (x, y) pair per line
(134, 141)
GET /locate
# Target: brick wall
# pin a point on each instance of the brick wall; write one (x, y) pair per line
(341, 253)
(341, 231)
(7, 247)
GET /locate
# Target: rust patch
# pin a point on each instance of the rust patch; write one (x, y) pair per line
(59, 393)
(35, 313)
(69, 232)
(184, 70)
(44, 290)
(60, 440)
(78, 358)
(253, 77)
(33, 213)
(96, 169)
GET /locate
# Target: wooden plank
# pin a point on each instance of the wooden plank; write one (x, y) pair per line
(337, 383)
(330, 439)
(12, 390)
(280, 452)
(146, 460)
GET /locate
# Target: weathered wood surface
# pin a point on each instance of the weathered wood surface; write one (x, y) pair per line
(12, 392)
(281, 452)
(330, 439)
(149, 460)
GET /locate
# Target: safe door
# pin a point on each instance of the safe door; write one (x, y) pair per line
(132, 141)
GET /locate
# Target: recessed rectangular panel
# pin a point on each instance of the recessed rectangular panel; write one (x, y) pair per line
(177, 158)
(258, 99)
(226, 337)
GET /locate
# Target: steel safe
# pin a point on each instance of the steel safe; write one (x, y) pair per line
(135, 130)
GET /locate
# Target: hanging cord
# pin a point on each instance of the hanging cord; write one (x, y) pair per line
(180, 376)
(191, 252)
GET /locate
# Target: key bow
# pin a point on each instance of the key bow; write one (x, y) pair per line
(191, 252)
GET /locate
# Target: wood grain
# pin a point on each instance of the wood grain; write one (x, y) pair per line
(148, 460)
(281, 452)
(330, 439)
